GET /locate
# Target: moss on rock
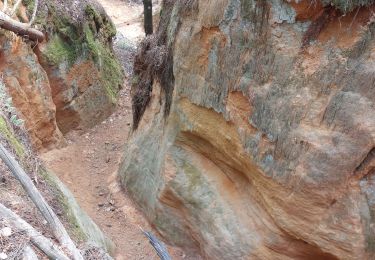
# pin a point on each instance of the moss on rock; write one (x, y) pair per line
(109, 68)
(91, 38)
(9, 136)
(59, 51)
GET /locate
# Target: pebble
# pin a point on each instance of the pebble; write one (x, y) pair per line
(3, 256)
(6, 232)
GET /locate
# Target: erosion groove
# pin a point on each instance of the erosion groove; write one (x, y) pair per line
(272, 114)
(236, 129)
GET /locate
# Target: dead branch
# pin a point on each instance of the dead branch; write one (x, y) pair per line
(57, 227)
(159, 247)
(34, 12)
(29, 254)
(5, 6)
(41, 242)
(21, 29)
(15, 7)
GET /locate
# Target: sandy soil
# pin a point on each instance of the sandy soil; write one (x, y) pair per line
(89, 163)
(127, 17)
(88, 166)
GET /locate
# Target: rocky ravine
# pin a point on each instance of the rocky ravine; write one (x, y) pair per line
(255, 129)
(69, 81)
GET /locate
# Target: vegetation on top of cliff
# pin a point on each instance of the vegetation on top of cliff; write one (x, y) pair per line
(346, 6)
(90, 37)
(154, 61)
(102, 23)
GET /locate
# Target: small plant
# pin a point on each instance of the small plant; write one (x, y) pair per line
(6, 106)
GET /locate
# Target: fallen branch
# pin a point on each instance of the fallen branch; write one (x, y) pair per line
(41, 242)
(5, 6)
(21, 29)
(161, 250)
(57, 227)
(29, 254)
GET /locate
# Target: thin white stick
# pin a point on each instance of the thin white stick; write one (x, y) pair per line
(57, 227)
(29, 254)
(34, 12)
(15, 7)
(5, 6)
(43, 243)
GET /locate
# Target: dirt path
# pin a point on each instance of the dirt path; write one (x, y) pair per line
(88, 165)
(126, 16)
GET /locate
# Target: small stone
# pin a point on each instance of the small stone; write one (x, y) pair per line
(101, 204)
(6, 232)
(3, 256)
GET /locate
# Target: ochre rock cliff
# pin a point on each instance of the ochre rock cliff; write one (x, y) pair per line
(69, 81)
(28, 85)
(255, 129)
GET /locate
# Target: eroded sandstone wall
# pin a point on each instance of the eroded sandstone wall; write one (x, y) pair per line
(69, 81)
(28, 86)
(267, 148)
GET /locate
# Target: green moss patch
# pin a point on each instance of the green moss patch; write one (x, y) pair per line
(8, 135)
(90, 39)
(109, 67)
(59, 51)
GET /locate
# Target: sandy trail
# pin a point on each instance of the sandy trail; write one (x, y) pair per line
(89, 163)
(88, 166)
(127, 18)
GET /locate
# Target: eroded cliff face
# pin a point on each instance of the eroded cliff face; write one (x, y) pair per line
(84, 75)
(69, 81)
(28, 85)
(263, 147)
